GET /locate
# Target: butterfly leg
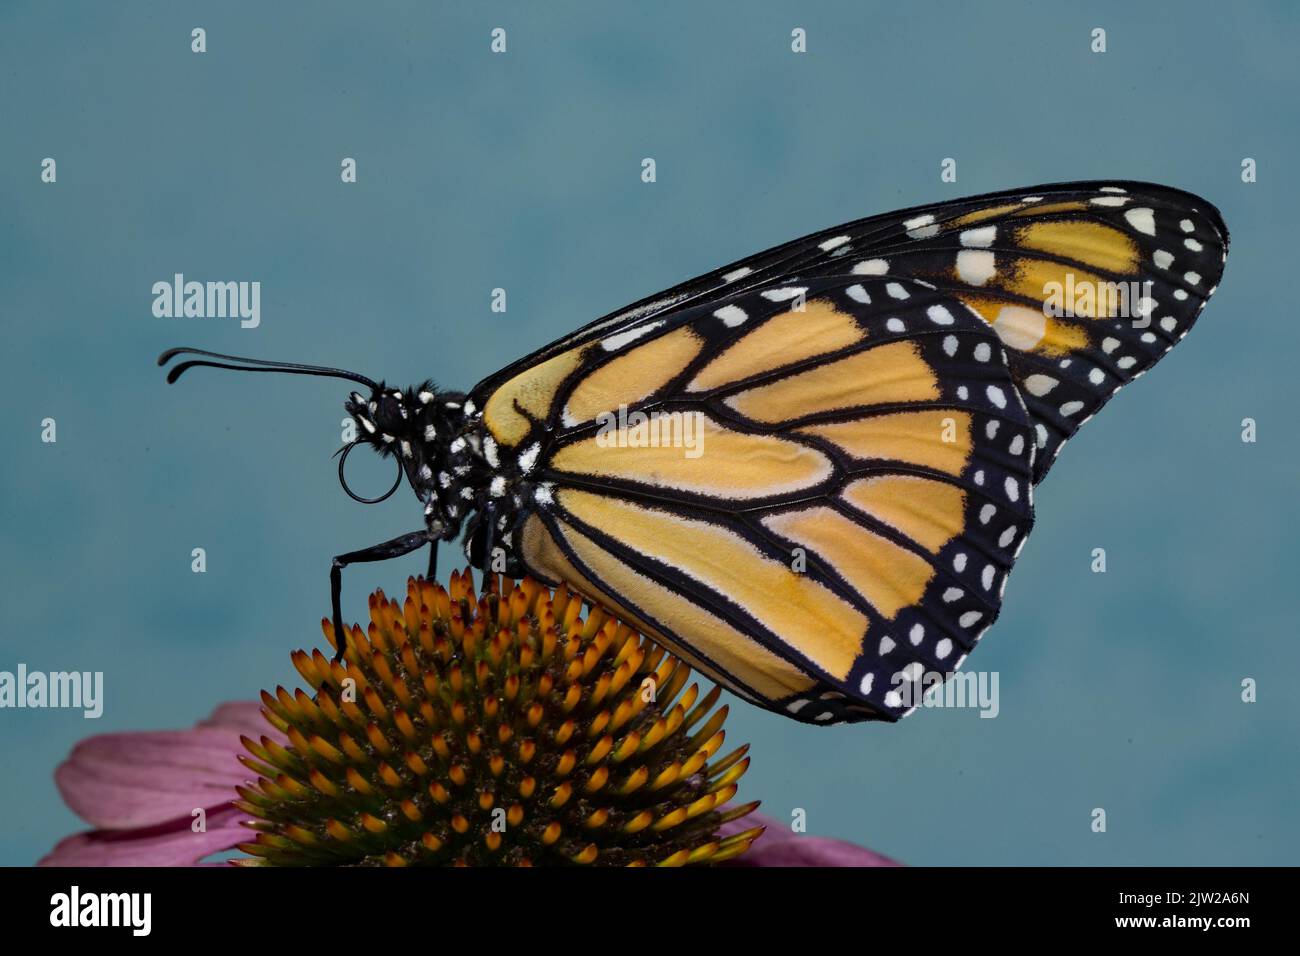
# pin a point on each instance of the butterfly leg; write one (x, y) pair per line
(489, 542)
(433, 562)
(404, 544)
(489, 535)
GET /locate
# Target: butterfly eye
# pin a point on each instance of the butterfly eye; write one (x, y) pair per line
(343, 481)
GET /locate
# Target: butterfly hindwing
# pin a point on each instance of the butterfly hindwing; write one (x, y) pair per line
(844, 523)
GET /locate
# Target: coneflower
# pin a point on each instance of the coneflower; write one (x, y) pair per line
(505, 728)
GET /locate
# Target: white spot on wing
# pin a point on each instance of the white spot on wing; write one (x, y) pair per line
(980, 238)
(1142, 219)
(940, 316)
(528, 457)
(1040, 385)
(1020, 327)
(632, 314)
(975, 266)
(731, 315)
(617, 341)
(871, 267)
(921, 227)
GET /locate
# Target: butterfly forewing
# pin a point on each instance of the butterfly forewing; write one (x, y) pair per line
(1086, 284)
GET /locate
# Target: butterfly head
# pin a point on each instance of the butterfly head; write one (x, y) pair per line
(388, 416)
(422, 427)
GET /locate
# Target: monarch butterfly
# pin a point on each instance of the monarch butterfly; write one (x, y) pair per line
(876, 404)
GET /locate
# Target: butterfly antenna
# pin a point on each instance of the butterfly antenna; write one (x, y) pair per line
(255, 365)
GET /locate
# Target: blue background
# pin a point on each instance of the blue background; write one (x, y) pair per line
(1118, 690)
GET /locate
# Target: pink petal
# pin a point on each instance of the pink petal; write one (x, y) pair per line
(781, 846)
(123, 780)
(244, 716)
(171, 844)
